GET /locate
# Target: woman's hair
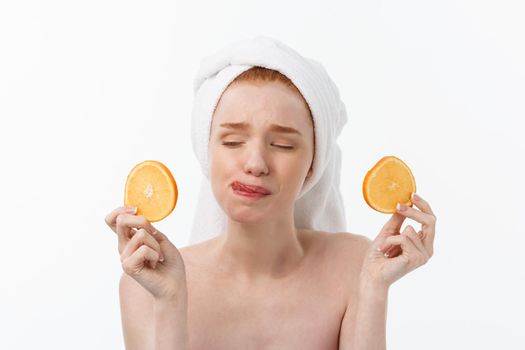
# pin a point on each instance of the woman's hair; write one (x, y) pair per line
(257, 74)
(262, 74)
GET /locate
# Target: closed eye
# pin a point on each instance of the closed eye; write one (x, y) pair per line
(231, 143)
(237, 143)
(285, 147)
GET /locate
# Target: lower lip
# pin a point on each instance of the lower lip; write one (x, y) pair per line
(249, 194)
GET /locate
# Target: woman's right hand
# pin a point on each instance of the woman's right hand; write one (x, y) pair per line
(147, 255)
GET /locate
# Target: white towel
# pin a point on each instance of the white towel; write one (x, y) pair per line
(319, 205)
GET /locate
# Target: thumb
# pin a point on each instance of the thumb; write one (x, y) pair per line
(391, 228)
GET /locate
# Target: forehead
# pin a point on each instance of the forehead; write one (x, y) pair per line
(262, 104)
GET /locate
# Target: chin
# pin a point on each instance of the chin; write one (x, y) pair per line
(246, 214)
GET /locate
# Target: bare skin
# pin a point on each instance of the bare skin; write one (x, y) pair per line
(264, 273)
(298, 309)
(263, 283)
(343, 280)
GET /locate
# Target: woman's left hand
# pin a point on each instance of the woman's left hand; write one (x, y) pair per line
(393, 254)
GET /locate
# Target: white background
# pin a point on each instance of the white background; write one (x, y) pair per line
(89, 89)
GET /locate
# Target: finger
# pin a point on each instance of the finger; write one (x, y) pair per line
(394, 251)
(160, 237)
(390, 228)
(429, 229)
(141, 237)
(421, 204)
(127, 221)
(111, 218)
(168, 249)
(387, 248)
(393, 224)
(124, 233)
(135, 263)
(427, 242)
(428, 239)
(416, 240)
(403, 241)
(415, 214)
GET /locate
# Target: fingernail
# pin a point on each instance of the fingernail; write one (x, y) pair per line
(154, 232)
(131, 210)
(390, 251)
(401, 207)
(161, 258)
(415, 197)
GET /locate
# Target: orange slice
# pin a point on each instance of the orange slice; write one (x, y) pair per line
(151, 188)
(388, 182)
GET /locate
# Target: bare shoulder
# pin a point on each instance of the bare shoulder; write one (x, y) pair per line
(342, 255)
(344, 252)
(344, 244)
(196, 258)
(356, 242)
(191, 252)
(341, 252)
(188, 251)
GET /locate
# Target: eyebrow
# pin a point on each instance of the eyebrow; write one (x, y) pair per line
(273, 127)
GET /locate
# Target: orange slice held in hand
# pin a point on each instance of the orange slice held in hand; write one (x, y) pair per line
(388, 182)
(151, 188)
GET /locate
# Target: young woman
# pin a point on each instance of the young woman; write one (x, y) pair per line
(263, 282)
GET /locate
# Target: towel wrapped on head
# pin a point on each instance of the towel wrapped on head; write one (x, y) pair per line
(319, 205)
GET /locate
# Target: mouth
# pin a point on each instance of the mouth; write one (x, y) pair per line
(249, 190)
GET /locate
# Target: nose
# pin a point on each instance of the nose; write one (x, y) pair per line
(255, 162)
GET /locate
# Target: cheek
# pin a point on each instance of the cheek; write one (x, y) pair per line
(222, 170)
(294, 166)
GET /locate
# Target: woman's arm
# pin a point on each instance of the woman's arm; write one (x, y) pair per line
(136, 311)
(393, 254)
(152, 324)
(152, 291)
(370, 318)
(171, 323)
(364, 321)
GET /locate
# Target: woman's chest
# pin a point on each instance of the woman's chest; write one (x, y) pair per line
(302, 315)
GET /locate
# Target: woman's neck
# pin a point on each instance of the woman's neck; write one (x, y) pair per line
(259, 251)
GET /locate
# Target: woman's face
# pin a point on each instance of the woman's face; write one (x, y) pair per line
(246, 146)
